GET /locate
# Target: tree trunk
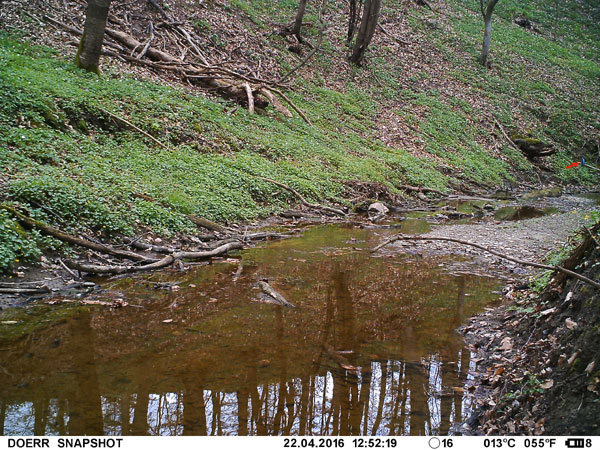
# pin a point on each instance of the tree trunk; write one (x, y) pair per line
(299, 17)
(487, 8)
(352, 19)
(487, 36)
(367, 30)
(90, 46)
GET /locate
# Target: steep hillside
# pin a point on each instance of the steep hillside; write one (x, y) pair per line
(421, 112)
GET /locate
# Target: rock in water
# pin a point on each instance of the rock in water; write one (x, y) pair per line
(377, 211)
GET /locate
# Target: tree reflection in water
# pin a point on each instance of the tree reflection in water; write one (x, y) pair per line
(369, 350)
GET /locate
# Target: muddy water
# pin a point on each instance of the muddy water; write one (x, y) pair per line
(370, 348)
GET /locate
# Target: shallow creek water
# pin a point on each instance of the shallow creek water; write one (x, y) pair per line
(370, 348)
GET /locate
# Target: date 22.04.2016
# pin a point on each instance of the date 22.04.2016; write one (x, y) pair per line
(339, 443)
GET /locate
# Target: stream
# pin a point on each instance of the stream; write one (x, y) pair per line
(370, 348)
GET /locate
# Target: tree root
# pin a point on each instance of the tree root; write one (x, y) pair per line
(562, 270)
(303, 200)
(60, 235)
(156, 264)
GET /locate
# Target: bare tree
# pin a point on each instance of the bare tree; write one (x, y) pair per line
(298, 22)
(90, 46)
(487, 8)
(368, 23)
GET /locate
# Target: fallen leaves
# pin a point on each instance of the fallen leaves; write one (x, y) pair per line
(590, 368)
(570, 324)
(506, 344)
(547, 384)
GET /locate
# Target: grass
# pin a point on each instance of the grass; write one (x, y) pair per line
(70, 164)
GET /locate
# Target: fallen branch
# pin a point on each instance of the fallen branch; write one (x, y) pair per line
(275, 102)
(268, 289)
(510, 141)
(416, 130)
(302, 199)
(387, 33)
(156, 264)
(73, 274)
(129, 124)
(230, 85)
(60, 235)
(315, 49)
(248, 90)
(403, 237)
(149, 247)
(198, 221)
(289, 102)
(40, 290)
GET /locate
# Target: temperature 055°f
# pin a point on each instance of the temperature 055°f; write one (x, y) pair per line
(499, 443)
(539, 442)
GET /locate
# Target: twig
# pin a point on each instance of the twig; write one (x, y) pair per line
(416, 130)
(147, 46)
(421, 189)
(386, 32)
(126, 122)
(493, 252)
(591, 235)
(514, 145)
(73, 274)
(505, 135)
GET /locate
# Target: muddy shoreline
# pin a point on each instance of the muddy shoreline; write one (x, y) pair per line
(527, 239)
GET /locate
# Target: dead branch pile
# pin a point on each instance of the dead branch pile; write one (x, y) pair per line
(191, 65)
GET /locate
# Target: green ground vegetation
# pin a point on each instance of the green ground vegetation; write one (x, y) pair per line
(66, 161)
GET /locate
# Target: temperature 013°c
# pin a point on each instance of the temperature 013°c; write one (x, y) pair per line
(499, 442)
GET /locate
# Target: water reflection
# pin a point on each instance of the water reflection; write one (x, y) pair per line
(370, 350)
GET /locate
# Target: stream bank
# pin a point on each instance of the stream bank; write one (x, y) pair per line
(372, 337)
(539, 357)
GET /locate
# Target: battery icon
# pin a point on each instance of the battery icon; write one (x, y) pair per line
(575, 443)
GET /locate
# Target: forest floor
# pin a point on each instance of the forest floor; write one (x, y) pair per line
(538, 359)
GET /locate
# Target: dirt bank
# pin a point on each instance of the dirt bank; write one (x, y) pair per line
(539, 358)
